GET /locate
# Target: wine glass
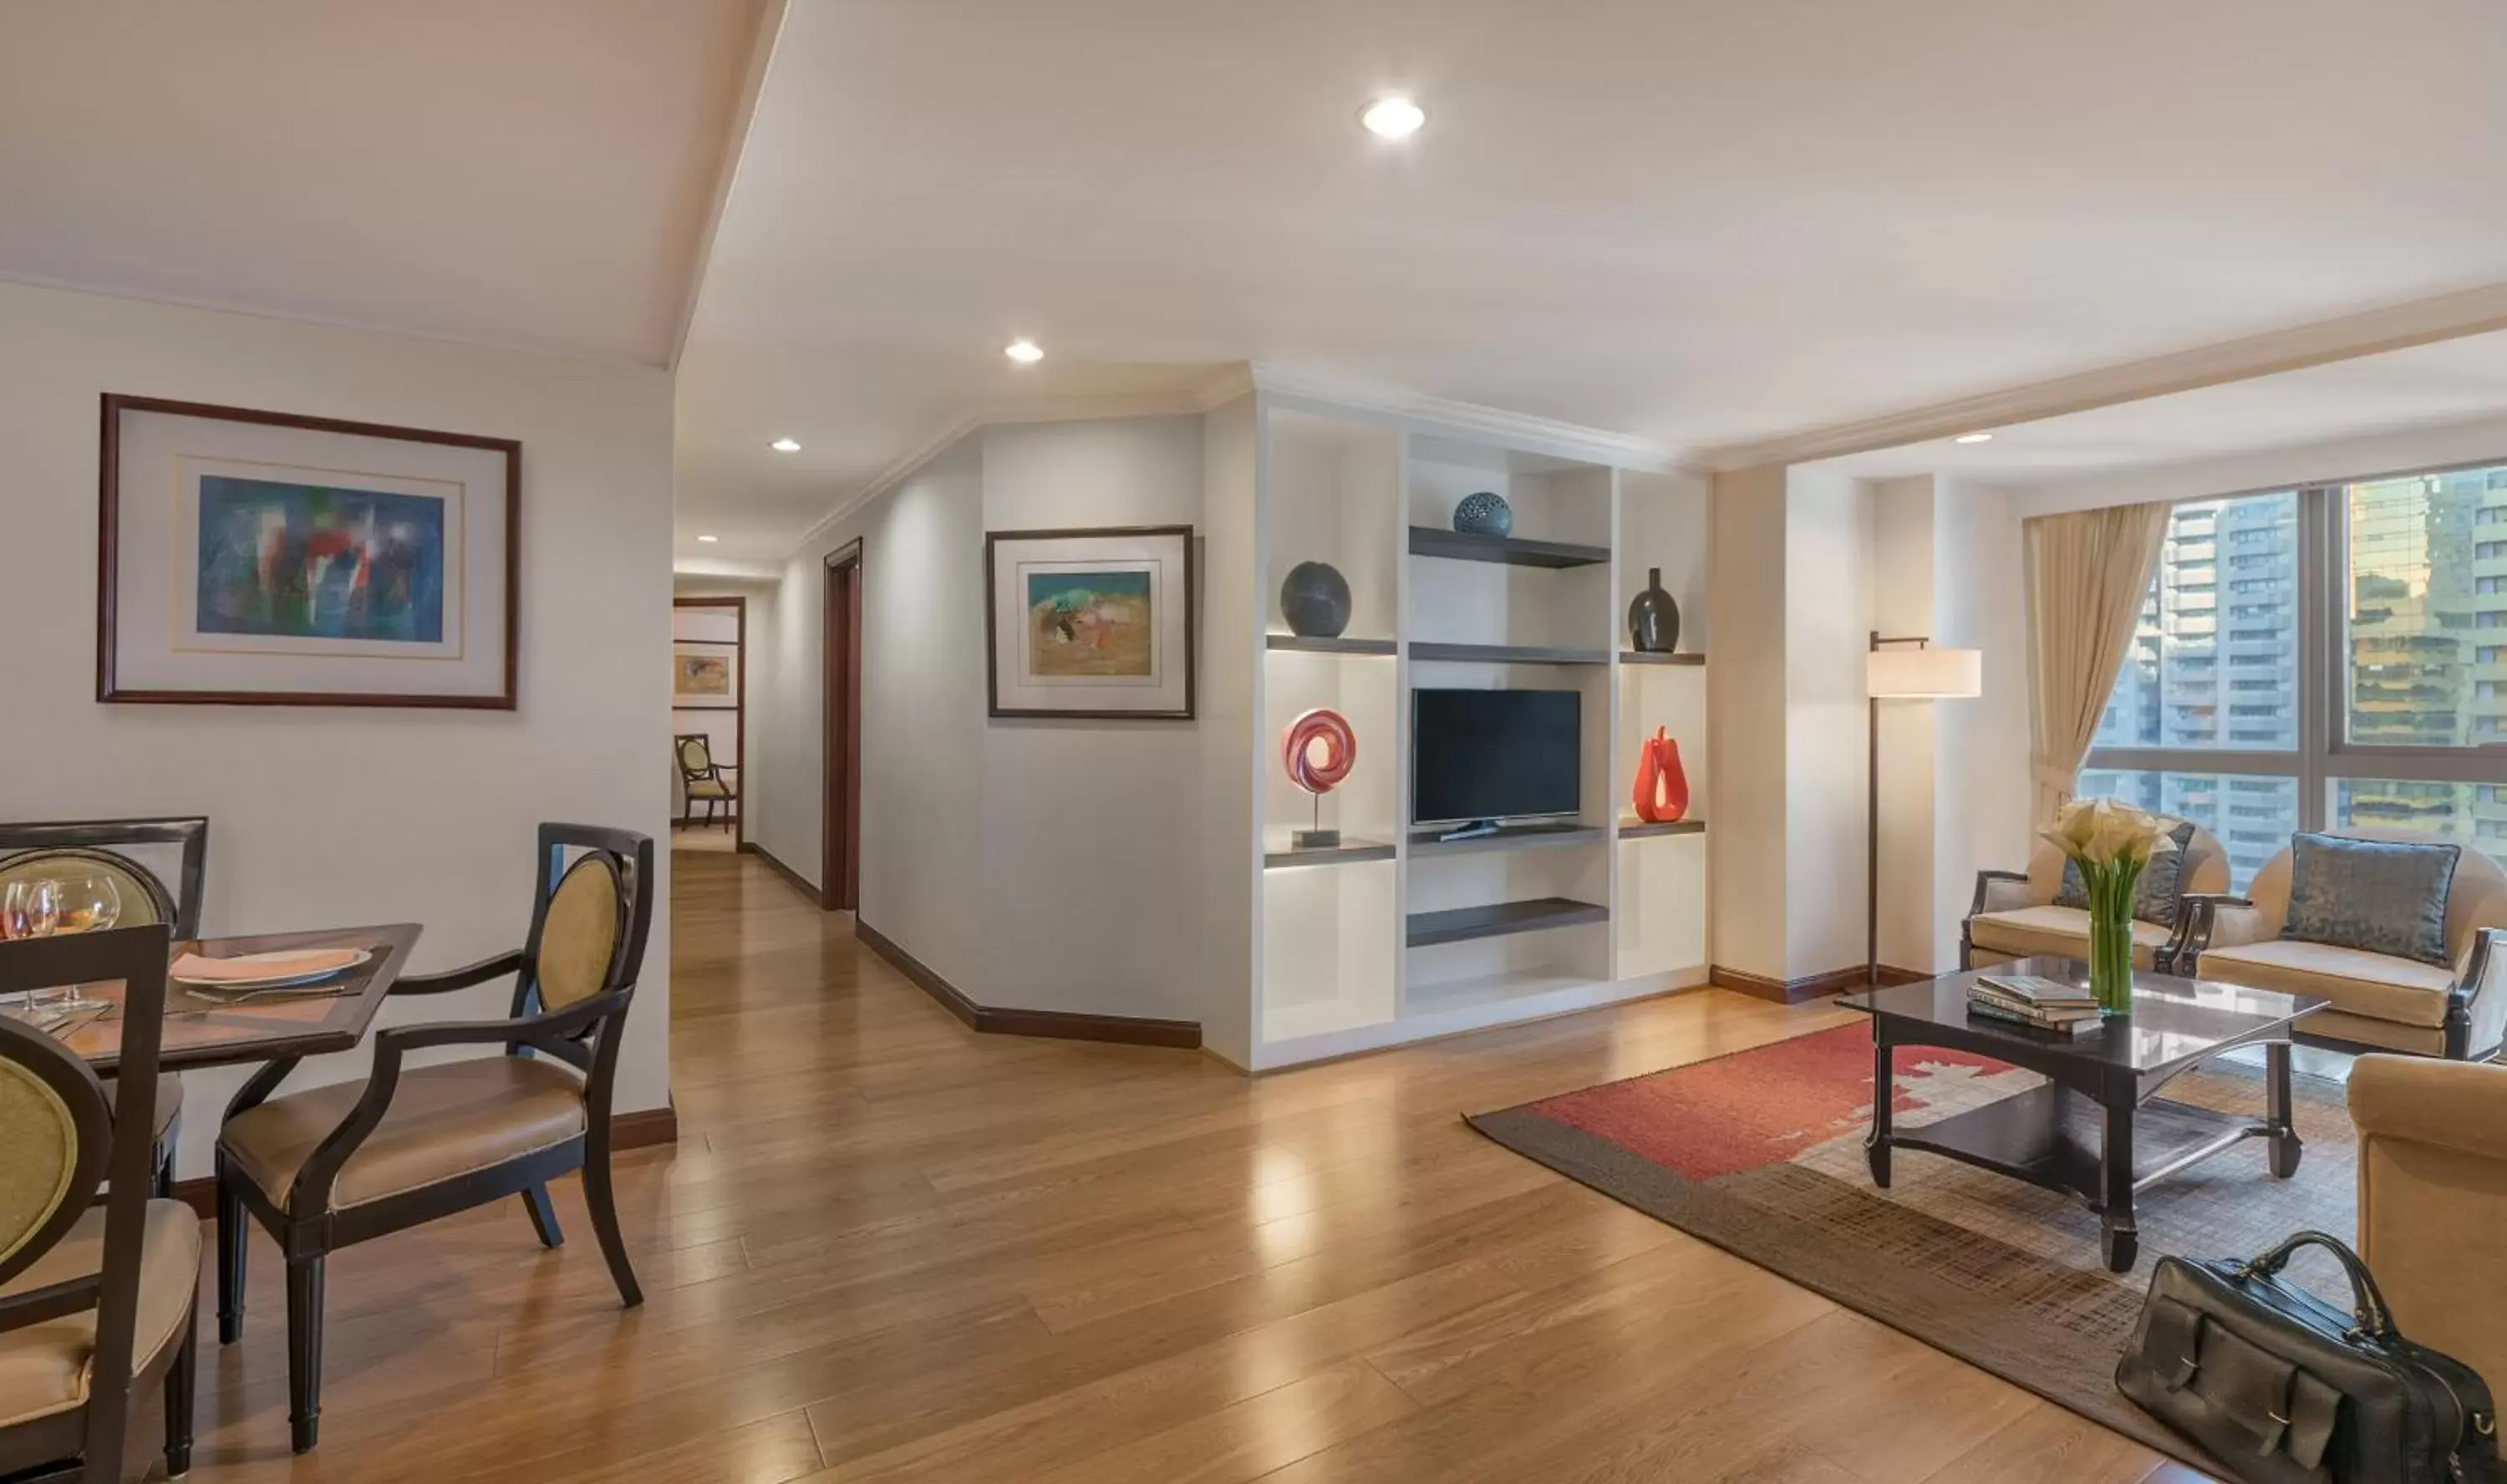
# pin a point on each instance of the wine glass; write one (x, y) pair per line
(77, 904)
(30, 908)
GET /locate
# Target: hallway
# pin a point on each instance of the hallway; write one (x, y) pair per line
(887, 1249)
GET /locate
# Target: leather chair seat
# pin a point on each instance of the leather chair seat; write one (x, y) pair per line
(43, 1367)
(445, 1121)
(169, 1099)
(2408, 996)
(2055, 932)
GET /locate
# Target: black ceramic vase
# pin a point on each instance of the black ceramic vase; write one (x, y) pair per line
(1653, 619)
(1315, 600)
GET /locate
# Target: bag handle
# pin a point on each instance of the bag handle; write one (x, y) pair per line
(2368, 1303)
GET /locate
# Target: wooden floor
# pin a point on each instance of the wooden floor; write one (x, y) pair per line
(886, 1249)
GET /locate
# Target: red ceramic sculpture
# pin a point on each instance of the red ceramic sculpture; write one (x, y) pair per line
(1662, 788)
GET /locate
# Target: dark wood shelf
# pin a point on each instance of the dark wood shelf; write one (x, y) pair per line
(1640, 657)
(1512, 550)
(1638, 829)
(1328, 647)
(1506, 654)
(1511, 837)
(1462, 924)
(1349, 851)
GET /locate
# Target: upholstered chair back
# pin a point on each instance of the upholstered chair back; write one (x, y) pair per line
(2206, 867)
(579, 937)
(2475, 899)
(695, 757)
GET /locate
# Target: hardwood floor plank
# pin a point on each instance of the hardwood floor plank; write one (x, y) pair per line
(889, 1249)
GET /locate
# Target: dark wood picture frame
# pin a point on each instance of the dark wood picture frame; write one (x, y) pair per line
(1191, 624)
(108, 565)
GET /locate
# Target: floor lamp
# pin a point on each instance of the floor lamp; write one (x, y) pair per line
(1917, 672)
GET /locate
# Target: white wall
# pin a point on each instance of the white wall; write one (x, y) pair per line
(1828, 623)
(1745, 712)
(1955, 773)
(1089, 890)
(334, 816)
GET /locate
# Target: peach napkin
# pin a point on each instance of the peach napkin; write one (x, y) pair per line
(286, 964)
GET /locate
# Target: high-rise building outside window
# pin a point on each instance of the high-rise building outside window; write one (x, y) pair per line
(2391, 594)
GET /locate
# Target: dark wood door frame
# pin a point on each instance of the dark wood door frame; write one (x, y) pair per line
(840, 753)
(739, 648)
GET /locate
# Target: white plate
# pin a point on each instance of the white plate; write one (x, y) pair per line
(274, 981)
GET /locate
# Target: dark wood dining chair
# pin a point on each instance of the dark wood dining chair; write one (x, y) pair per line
(334, 1166)
(96, 1299)
(702, 778)
(104, 847)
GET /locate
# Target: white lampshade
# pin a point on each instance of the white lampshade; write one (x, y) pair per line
(1925, 673)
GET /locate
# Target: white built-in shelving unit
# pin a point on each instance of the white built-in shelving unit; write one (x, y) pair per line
(1395, 935)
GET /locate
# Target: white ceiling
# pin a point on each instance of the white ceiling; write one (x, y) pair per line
(521, 174)
(2429, 386)
(1702, 223)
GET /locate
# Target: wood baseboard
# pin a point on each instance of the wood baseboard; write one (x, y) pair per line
(799, 881)
(644, 1129)
(1064, 1025)
(1810, 986)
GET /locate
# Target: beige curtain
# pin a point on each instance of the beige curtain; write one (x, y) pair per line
(2086, 572)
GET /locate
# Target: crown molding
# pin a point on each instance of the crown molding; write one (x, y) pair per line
(2395, 327)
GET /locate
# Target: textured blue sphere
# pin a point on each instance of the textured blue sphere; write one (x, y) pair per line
(1485, 514)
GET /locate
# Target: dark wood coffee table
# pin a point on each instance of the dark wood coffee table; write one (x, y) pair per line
(2097, 1130)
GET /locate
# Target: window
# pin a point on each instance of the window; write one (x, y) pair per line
(2376, 587)
(2162, 692)
(2252, 817)
(2409, 574)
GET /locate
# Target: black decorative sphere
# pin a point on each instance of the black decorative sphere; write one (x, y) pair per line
(1485, 514)
(1315, 600)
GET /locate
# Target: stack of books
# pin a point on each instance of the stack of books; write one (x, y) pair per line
(2027, 1000)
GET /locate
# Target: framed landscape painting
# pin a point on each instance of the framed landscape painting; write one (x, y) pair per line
(705, 677)
(257, 558)
(1095, 623)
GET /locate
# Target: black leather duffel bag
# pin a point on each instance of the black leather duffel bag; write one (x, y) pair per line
(2287, 1389)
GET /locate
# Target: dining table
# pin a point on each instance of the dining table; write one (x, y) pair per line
(225, 1027)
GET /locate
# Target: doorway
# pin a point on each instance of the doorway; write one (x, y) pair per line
(839, 868)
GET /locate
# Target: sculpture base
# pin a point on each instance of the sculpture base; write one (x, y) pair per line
(1315, 840)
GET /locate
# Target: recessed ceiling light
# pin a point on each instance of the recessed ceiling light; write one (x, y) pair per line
(1394, 118)
(1026, 352)
(1972, 438)
(785, 445)
(709, 538)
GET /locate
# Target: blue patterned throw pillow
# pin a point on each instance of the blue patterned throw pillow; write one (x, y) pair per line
(2158, 893)
(2379, 896)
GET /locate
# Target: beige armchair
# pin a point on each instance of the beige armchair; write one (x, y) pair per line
(2433, 1198)
(2013, 915)
(2380, 1003)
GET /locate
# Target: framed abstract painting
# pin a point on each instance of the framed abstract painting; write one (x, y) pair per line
(1094, 623)
(257, 558)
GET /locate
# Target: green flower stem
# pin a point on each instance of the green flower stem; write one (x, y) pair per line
(2111, 892)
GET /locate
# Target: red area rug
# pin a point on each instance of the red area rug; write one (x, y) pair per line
(1761, 1153)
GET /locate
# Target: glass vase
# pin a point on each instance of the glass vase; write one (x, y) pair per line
(2111, 939)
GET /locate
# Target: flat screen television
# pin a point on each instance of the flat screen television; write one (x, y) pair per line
(1494, 755)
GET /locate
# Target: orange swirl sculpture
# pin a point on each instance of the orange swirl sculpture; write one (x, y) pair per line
(1329, 731)
(1662, 785)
